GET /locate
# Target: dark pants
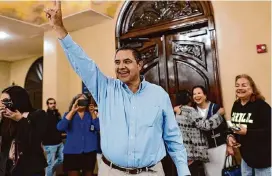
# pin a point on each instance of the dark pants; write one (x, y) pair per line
(41, 173)
(197, 169)
(3, 161)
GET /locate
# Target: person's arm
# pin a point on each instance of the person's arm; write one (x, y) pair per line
(173, 139)
(87, 70)
(64, 123)
(206, 124)
(93, 78)
(33, 128)
(231, 137)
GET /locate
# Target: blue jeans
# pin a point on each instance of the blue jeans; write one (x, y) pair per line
(54, 157)
(249, 171)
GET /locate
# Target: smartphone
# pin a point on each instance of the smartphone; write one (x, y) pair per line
(83, 103)
(235, 128)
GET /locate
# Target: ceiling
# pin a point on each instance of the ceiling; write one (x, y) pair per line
(25, 22)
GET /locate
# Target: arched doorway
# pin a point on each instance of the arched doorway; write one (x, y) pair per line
(34, 83)
(178, 42)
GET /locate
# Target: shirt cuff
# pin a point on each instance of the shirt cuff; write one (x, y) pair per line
(183, 170)
(67, 41)
(66, 120)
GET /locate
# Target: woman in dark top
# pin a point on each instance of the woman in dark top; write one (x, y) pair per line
(22, 131)
(252, 115)
(82, 128)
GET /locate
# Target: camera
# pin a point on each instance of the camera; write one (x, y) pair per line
(83, 103)
(8, 104)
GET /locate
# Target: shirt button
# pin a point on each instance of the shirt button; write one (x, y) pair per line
(133, 107)
(82, 137)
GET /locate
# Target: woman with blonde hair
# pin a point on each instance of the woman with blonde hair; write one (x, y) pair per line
(251, 116)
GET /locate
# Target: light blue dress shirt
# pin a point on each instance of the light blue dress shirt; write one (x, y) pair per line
(134, 126)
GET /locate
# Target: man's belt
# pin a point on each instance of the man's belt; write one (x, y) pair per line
(127, 170)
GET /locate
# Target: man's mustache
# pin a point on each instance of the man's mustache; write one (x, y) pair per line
(122, 70)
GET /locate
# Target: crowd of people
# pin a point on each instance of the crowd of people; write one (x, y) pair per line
(136, 125)
(207, 134)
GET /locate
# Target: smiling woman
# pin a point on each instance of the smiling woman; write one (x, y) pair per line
(253, 115)
(216, 137)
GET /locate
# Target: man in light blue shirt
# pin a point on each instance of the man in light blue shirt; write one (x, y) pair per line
(136, 117)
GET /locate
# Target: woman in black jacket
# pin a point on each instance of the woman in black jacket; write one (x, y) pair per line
(22, 130)
(251, 116)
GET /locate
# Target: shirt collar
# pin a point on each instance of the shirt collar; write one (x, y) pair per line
(142, 85)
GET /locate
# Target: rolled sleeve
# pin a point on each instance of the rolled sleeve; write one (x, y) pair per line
(67, 42)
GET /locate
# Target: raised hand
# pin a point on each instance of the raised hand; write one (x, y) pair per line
(16, 116)
(93, 111)
(72, 112)
(75, 106)
(54, 16)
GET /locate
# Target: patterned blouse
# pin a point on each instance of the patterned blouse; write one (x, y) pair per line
(191, 124)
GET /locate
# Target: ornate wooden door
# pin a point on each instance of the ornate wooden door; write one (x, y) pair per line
(190, 61)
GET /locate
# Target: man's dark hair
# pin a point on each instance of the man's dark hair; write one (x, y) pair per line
(49, 99)
(135, 52)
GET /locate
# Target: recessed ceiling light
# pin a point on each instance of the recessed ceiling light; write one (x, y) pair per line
(3, 35)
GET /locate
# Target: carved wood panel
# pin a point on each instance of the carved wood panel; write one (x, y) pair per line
(190, 49)
(154, 12)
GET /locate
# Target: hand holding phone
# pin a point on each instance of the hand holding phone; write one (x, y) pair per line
(235, 128)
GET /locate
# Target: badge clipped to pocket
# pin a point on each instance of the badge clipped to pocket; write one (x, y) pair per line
(92, 128)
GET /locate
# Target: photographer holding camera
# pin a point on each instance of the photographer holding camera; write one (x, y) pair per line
(22, 131)
(82, 128)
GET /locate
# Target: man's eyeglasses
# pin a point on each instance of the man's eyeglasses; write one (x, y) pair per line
(52, 103)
